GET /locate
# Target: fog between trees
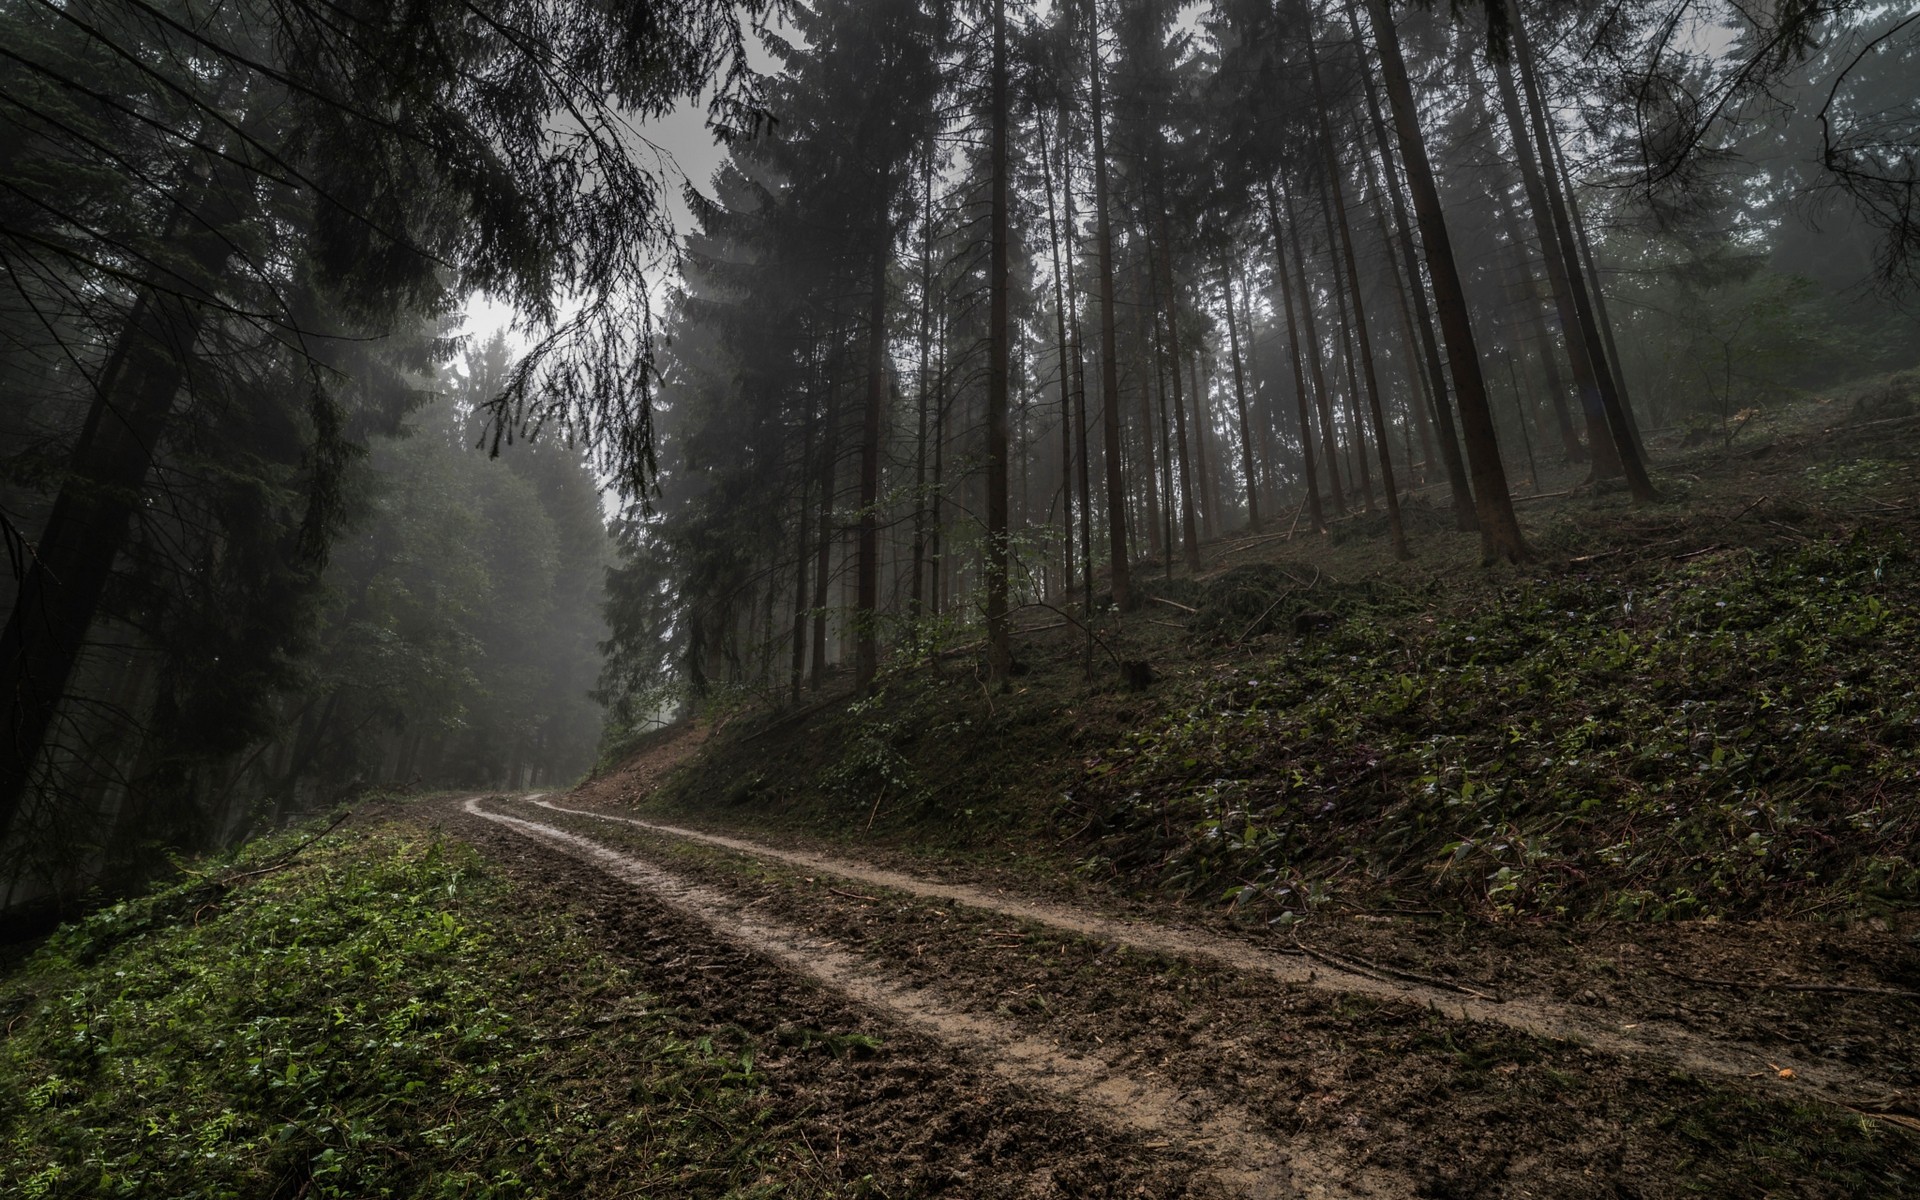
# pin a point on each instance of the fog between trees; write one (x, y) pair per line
(988, 306)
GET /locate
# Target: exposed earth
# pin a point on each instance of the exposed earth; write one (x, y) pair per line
(1004, 1043)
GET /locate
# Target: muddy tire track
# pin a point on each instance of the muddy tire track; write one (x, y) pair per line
(1241, 1157)
(1652, 1037)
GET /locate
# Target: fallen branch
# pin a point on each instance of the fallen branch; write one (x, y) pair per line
(1697, 553)
(1544, 496)
(854, 895)
(287, 858)
(1174, 604)
(1250, 543)
(1362, 966)
(1845, 989)
(1079, 624)
(787, 719)
(1255, 623)
(1910, 1124)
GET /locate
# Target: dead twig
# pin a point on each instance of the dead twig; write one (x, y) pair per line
(1588, 558)
(1174, 604)
(1845, 989)
(1362, 966)
(1697, 553)
(1264, 613)
(1250, 543)
(854, 895)
(288, 857)
(1910, 1124)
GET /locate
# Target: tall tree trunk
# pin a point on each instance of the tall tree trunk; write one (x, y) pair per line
(1357, 438)
(1617, 365)
(1062, 350)
(1240, 404)
(1606, 457)
(1314, 512)
(61, 591)
(1208, 452)
(1165, 428)
(1419, 394)
(866, 615)
(1083, 457)
(915, 590)
(1465, 510)
(799, 663)
(1190, 536)
(1358, 475)
(1500, 535)
(1530, 300)
(1000, 336)
(1631, 462)
(936, 522)
(823, 560)
(1158, 501)
(1330, 450)
(1381, 441)
(1109, 342)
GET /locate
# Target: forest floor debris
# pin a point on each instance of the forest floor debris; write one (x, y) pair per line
(1386, 1082)
(1653, 796)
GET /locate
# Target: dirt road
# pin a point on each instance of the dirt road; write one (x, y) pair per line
(1108, 1055)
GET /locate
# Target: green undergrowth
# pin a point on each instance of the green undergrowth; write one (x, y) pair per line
(1738, 735)
(382, 1016)
(1704, 706)
(1733, 733)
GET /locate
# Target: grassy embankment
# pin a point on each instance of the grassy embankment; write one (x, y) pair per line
(383, 1015)
(1708, 706)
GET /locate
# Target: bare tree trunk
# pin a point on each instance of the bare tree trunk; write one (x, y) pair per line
(866, 616)
(823, 561)
(1419, 394)
(1380, 439)
(1190, 537)
(799, 663)
(1631, 462)
(1084, 451)
(1060, 342)
(936, 522)
(1165, 428)
(1606, 457)
(999, 334)
(61, 591)
(1531, 301)
(1330, 450)
(1159, 541)
(1500, 535)
(1240, 404)
(915, 591)
(1615, 363)
(1314, 511)
(1109, 351)
(1465, 510)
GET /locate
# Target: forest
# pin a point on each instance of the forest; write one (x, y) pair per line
(894, 598)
